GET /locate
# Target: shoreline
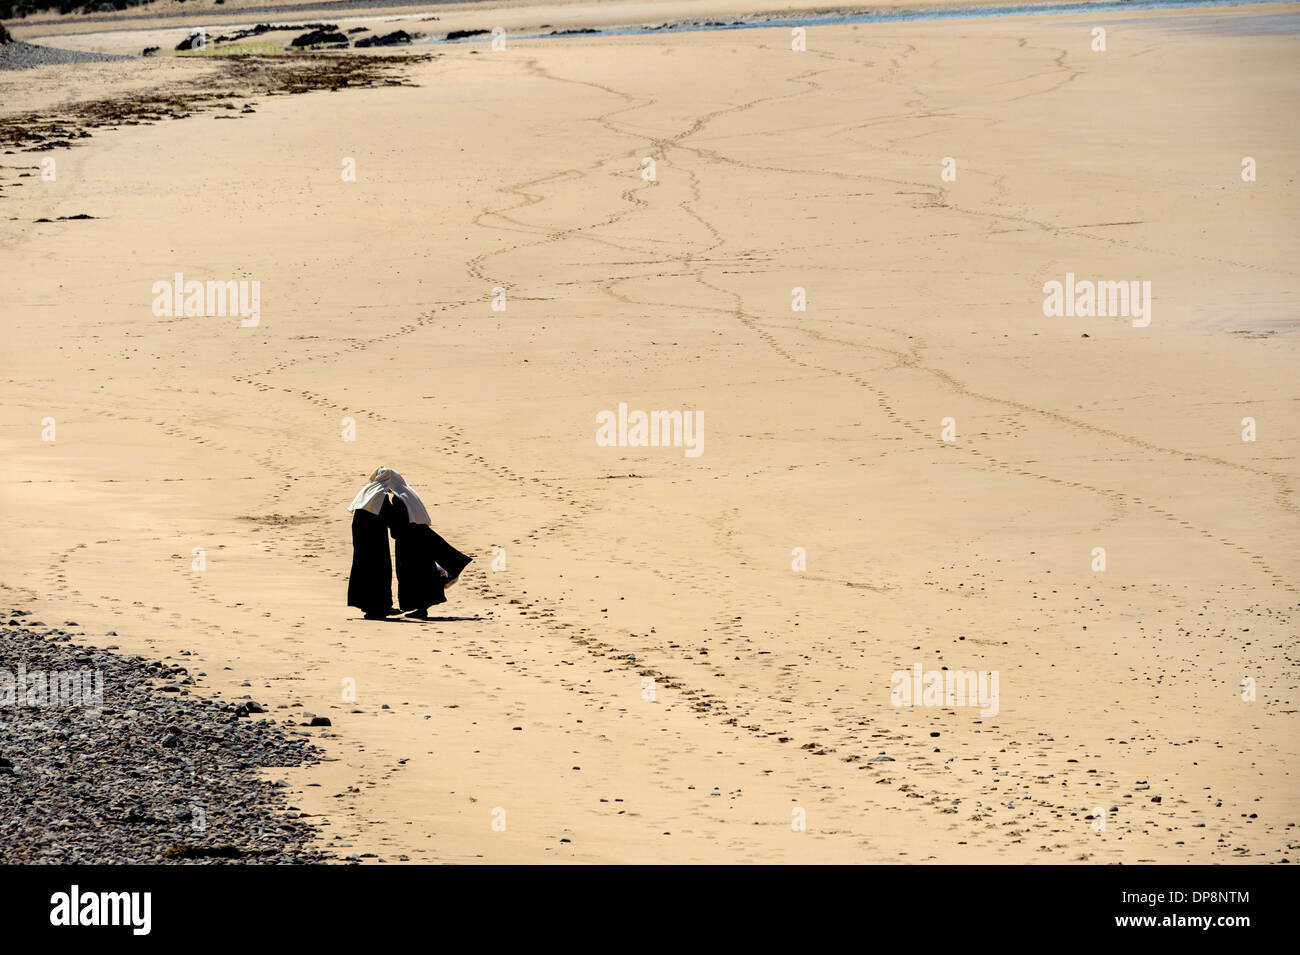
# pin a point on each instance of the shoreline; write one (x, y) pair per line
(596, 21)
(810, 14)
(764, 21)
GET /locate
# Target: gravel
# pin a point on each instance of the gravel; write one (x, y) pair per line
(25, 56)
(148, 773)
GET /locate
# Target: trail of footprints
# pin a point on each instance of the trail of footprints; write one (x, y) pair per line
(572, 509)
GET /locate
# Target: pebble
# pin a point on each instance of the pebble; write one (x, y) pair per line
(122, 787)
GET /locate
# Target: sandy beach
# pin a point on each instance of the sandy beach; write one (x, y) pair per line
(683, 654)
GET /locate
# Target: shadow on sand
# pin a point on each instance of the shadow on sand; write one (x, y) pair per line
(418, 620)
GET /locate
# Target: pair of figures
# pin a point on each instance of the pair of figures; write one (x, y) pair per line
(426, 564)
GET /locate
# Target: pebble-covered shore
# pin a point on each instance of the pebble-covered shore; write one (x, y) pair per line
(24, 56)
(159, 774)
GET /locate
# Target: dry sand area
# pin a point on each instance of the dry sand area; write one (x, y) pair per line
(1119, 690)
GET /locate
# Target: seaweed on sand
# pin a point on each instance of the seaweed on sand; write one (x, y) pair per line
(234, 78)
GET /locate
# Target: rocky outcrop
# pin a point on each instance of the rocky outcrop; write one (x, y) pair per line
(391, 39)
(326, 37)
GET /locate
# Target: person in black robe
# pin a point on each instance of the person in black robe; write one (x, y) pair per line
(426, 564)
(370, 582)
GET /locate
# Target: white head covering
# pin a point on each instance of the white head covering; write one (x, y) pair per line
(371, 497)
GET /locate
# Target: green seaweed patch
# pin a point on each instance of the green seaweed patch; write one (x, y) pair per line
(234, 49)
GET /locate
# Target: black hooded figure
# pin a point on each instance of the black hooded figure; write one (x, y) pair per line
(370, 583)
(426, 564)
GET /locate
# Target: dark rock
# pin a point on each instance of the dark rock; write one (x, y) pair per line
(390, 39)
(319, 38)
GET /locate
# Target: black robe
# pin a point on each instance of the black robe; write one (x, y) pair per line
(370, 583)
(419, 549)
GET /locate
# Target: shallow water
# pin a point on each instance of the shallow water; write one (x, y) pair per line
(1271, 24)
(1279, 24)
